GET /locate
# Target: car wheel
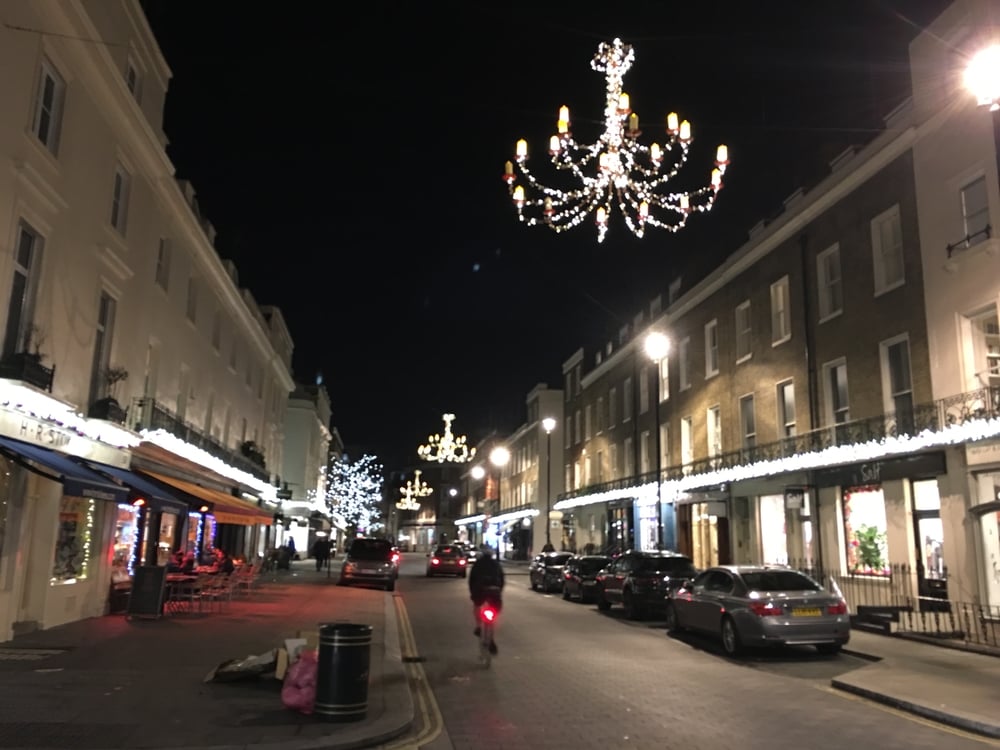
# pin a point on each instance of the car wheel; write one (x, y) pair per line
(829, 649)
(730, 637)
(673, 624)
(391, 586)
(566, 595)
(632, 609)
(603, 604)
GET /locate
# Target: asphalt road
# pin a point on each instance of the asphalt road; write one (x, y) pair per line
(568, 676)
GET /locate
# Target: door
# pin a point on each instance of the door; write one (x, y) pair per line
(932, 575)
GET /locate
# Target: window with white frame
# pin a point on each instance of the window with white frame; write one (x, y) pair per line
(163, 264)
(684, 363)
(600, 415)
(612, 407)
(781, 314)
(119, 199)
(47, 120)
(743, 331)
(713, 423)
(664, 369)
(975, 211)
(629, 466)
(664, 445)
(645, 454)
(835, 390)
(577, 478)
(643, 390)
(588, 423)
(711, 348)
(786, 409)
(19, 332)
(192, 299)
(887, 250)
(831, 292)
(983, 357)
(687, 444)
(748, 422)
(627, 399)
(103, 333)
(896, 382)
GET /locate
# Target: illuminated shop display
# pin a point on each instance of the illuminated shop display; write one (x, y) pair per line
(125, 547)
(73, 540)
(195, 532)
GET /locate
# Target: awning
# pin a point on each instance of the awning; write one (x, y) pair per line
(142, 487)
(226, 508)
(77, 480)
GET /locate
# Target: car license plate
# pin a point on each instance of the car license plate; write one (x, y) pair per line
(806, 612)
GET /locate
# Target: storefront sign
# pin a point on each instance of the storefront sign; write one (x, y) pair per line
(794, 497)
(978, 454)
(876, 472)
(21, 426)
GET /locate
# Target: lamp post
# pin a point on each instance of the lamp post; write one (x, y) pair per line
(548, 424)
(657, 347)
(499, 457)
(982, 78)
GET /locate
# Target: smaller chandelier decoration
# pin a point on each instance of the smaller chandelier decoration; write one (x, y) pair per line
(414, 489)
(616, 171)
(447, 447)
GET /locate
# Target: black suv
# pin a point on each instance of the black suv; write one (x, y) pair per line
(370, 560)
(640, 581)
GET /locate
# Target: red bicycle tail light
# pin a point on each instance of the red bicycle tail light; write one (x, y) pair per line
(489, 614)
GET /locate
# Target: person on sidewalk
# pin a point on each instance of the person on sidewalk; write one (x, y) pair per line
(485, 585)
(321, 551)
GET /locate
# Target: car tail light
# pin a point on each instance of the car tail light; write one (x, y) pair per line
(766, 609)
(461, 561)
(395, 557)
(840, 608)
(435, 561)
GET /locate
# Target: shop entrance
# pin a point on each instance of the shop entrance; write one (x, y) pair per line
(621, 527)
(932, 575)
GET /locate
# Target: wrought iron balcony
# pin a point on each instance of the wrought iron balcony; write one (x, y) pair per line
(147, 413)
(107, 409)
(27, 368)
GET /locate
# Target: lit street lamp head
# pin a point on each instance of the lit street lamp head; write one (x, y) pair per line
(548, 424)
(982, 77)
(657, 346)
(499, 456)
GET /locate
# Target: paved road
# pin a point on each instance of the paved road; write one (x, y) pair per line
(570, 677)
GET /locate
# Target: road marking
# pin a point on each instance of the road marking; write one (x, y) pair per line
(431, 722)
(988, 741)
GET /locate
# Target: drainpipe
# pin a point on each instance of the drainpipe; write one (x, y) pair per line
(812, 381)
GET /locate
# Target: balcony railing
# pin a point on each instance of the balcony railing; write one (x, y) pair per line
(27, 368)
(983, 403)
(967, 241)
(146, 413)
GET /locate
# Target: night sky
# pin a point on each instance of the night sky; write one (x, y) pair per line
(350, 157)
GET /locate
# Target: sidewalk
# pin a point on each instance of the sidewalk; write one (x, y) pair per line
(109, 682)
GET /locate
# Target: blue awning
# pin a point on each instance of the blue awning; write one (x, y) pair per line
(152, 493)
(78, 481)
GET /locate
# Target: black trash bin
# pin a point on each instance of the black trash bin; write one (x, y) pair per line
(342, 674)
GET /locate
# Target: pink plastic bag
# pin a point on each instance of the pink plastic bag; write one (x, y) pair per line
(298, 692)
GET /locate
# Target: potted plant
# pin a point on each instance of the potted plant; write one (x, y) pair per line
(108, 407)
(26, 363)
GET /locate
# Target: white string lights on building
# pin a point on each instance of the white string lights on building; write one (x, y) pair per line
(414, 489)
(616, 171)
(446, 447)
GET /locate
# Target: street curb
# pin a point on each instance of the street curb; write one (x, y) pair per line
(942, 717)
(860, 655)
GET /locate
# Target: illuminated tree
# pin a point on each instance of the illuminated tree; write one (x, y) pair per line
(354, 492)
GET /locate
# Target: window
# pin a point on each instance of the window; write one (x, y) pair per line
(835, 390)
(865, 532)
(897, 386)
(599, 463)
(600, 415)
(217, 330)
(589, 423)
(748, 422)
(786, 409)
(569, 386)
(713, 423)
(645, 454)
(831, 293)
(163, 264)
(743, 331)
(21, 308)
(627, 400)
(684, 363)
(664, 368)
(568, 432)
(613, 459)
(975, 211)
(644, 391)
(119, 199)
(612, 407)
(47, 120)
(629, 467)
(664, 445)
(192, 299)
(984, 333)
(102, 347)
(887, 250)
(577, 426)
(781, 321)
(132, 79)
(687, 446)
(712, 349)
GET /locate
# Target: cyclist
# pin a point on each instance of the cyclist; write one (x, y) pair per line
(485, 584)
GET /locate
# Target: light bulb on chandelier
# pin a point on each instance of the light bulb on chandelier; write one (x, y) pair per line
(616, 171)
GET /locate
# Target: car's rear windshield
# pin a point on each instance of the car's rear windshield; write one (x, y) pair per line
(558, 559)
(779, 580)
(449, 552)
(668, 565)
(592, 566)
(370, 549)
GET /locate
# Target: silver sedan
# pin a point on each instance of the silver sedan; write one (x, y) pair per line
(760, 605)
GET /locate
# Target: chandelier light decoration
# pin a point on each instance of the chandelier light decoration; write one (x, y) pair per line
(447, 447)
(616, 171)
(414, 489)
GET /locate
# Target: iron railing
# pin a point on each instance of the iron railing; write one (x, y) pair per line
(27, 368)
(966, 241)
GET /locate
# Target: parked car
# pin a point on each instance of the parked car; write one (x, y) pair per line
(371, 561)
(580, 576)
(641, 581)
(546, 571)
(447, 559)
(761, 605)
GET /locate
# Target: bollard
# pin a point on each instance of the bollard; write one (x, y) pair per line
(342, 674)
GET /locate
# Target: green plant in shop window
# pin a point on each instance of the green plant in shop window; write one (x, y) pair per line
(870, 543)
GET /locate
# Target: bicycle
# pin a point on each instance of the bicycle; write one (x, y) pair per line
(489, 610)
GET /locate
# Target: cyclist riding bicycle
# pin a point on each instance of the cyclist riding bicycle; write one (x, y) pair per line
(485, 585)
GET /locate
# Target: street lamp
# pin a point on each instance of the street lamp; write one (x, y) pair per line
(982, 77)
(657, 347)
(548, 424)
(499, 457)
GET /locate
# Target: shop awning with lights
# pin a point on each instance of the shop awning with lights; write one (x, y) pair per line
(142, 488)
(225, 508)
(77, 480)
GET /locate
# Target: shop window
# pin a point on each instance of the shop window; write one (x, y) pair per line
(123, 548)
(73, 540)
(865, 532)
(989, 530)
(773, 533)
(929, 529)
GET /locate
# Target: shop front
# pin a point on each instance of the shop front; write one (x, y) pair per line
(703, 526)
(983, 460)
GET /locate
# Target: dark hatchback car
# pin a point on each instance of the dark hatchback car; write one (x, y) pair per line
(447, 559)
(371, 561)
(641, 581)
(580, 576)
(546, 571)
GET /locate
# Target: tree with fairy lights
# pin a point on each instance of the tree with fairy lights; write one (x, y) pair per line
(354, 492)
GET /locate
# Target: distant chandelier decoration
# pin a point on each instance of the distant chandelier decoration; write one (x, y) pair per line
(414, 489)
(447, 447)
(616, 170)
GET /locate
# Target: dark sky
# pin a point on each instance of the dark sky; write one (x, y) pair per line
(350, 157)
